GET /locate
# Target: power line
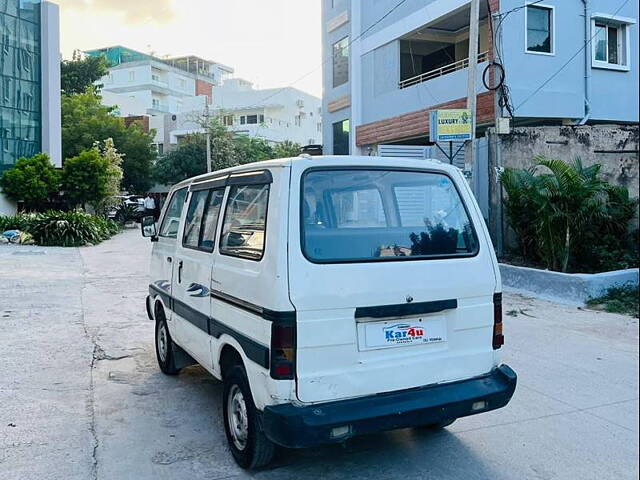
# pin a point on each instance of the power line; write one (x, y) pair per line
(557, 72)
(520, 7)
(282, 89)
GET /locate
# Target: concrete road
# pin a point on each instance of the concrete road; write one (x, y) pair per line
(81, 396)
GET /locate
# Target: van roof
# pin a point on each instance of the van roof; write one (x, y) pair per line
(324, 160)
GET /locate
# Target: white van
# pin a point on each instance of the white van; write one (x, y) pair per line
(333, 296)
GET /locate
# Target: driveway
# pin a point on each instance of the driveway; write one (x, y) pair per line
(81, 395)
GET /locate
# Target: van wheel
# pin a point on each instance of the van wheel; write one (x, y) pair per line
(165, 347)
(249, 445)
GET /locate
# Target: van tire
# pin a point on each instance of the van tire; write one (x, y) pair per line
(258, 450)
(165, 347)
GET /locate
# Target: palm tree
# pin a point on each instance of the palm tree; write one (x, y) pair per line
(552, 208)
(571, 196)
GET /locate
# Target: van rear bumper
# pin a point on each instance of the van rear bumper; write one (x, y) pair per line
(300, 427)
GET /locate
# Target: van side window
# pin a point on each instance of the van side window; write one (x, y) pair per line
(171, 220)
(245, 219)
(193, 222)
(202, 219)
(210, 219)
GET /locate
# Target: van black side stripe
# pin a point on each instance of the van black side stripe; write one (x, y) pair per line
(270, 315)
(192, 315)
(403, 309)
(164, 295)
(256, 352)
(252, 349)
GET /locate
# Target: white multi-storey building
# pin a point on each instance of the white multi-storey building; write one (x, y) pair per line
(275, 115)
(141, 84)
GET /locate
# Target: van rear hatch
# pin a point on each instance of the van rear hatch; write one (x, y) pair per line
(392, 278)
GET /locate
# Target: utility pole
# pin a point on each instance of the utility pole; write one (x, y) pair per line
(474, 19)
(495, 159)
(208, 134)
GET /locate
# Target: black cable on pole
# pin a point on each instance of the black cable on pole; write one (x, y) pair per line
(498, 66)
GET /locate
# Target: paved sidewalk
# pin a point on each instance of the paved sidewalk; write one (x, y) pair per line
(82, 397)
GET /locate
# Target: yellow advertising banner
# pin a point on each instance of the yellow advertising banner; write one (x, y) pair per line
(450, 125)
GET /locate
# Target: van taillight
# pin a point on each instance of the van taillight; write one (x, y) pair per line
(283, 351)
(498, 337)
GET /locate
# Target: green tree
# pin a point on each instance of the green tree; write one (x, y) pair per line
(188, 160)
(79, 74)
(558, 205)
(251, 149)
(33, 181)
(286, 149)
(85, 121)
(87, 179)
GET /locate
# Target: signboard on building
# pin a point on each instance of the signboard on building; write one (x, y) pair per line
(450, 125)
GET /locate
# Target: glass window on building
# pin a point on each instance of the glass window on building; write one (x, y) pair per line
(539, 29)
(610, 43)
(252, 119)
(341, 62)
(20, 83)
(341, 138)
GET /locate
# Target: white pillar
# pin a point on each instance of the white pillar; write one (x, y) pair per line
(50, 77)
(473, 91)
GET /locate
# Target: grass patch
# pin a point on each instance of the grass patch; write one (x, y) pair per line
(618, 300)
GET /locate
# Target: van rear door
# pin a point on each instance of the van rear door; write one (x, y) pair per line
(392, 278)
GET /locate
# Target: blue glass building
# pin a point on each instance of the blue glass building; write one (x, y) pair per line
(29, 82)
(20, 81)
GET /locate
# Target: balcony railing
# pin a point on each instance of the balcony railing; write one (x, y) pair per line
(438, 72)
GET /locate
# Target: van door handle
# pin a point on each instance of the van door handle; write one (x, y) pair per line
(169, 259)
(180, 271)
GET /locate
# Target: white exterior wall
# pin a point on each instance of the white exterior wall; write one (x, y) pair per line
(127, 105)
(50, 74)
(171, 89)
(7, 207)
(279, 107)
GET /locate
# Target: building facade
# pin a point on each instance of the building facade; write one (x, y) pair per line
(388, 65)
(275, 115)
(30, 84)
(142, 84)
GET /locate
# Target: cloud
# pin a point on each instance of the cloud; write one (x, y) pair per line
(133, 11)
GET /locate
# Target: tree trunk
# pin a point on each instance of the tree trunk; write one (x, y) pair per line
(567, 243)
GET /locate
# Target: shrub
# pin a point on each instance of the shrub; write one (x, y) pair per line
(16, 222)
(87, 178)
(618, 300)
(33, 181)
(126, 212)
(565, 215)
(62, 229)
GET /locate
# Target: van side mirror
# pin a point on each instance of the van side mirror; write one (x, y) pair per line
(149, 228)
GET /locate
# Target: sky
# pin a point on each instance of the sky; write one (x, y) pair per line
(269, 42)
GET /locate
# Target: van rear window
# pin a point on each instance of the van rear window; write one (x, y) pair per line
(373, 215)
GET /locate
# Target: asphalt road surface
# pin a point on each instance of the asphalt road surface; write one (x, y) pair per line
(81, 396)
